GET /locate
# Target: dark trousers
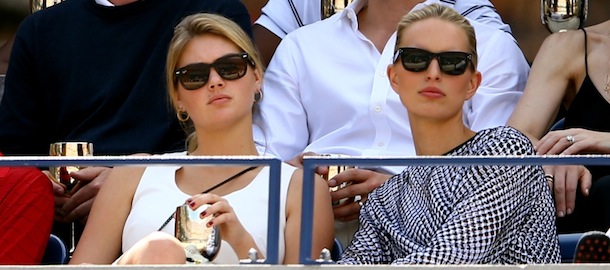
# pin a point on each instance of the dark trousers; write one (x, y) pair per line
(591, 213)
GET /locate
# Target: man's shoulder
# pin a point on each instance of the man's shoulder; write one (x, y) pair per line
(323, 28)
(484, 32)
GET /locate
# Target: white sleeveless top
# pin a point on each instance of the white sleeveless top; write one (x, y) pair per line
(157, 196)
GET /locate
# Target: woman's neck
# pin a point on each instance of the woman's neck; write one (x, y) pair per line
(435, 138)
(229, 142)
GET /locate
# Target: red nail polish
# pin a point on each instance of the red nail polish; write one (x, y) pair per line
(192, 204)
(202, 214)
(210, 224)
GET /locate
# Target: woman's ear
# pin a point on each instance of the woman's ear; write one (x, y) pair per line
(392, 77)
(475, 82)
(258, 80)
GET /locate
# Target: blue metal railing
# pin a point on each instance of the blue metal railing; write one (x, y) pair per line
(309, 165)
(311, 162)
(274, 177)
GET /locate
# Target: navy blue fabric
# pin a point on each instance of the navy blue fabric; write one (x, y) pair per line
(84, 72)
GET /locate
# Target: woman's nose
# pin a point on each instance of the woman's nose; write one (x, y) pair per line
(215, 81)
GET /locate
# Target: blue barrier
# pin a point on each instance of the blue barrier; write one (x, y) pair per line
(311, 162)
(309, 165)
(274, 177)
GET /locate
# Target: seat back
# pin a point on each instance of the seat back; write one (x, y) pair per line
(567, 245)
(56, 252)
(335, 253)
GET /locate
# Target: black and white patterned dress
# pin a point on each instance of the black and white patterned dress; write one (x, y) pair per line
(461, 214)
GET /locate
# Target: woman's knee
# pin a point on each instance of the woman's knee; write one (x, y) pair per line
(156, 248)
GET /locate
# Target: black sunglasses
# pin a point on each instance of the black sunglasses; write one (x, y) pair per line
(229, 67)
(418, 60)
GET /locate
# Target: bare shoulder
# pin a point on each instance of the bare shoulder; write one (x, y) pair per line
(560, 42)
(127, 177)
(558, 53)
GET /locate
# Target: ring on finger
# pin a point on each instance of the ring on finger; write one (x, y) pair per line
(549, 177)
(358, 200)
(570, 139)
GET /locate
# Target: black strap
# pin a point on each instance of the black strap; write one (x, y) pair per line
(210, 189)
(586, 62)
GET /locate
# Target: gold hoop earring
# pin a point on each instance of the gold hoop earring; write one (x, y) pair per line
(183, 116)
(258, 96)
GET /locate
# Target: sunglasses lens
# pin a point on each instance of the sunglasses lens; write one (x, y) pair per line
(453, 63)
(231, 68)
(194, 77)
(415, 61)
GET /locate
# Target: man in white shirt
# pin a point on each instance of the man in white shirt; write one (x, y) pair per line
(327, 92)
(280, 17)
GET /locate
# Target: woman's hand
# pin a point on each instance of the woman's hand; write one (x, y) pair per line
(223, 215)
(565, 181)
(76, 205)
(573, 141)
(362, 182)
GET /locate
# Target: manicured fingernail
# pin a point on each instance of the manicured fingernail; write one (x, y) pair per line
(189, 200)
(202, 215)
(192, 204)
(560, 214)
(209, 224)
(587, 192)
(569, 211)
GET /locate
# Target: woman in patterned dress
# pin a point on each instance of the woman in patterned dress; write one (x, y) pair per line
(488, 214)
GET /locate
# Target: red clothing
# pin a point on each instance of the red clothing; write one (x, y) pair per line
(26, 214)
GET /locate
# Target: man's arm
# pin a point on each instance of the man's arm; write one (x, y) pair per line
(504, 70)
(266, 42)
(285, 131)
(482, 11)
(25, 121)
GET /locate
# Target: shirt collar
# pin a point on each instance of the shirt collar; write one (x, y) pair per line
(104, 3)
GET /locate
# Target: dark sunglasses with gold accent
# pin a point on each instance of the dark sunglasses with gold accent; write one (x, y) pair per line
(418, 60)
(229, 67)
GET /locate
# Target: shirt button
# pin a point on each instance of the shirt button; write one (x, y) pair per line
(382, 73)
(377, 109)
(380, 144)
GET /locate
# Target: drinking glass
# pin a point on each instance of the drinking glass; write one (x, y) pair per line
(61, 174)
(201, 242)
(563, 15)
(36, 5)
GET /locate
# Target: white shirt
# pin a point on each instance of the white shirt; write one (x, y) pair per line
(158, 195)
(104, 3)
(283, 16)
(326, 91)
